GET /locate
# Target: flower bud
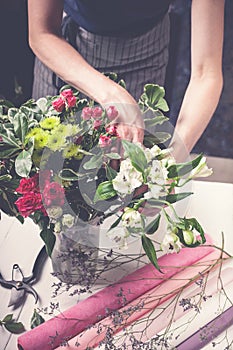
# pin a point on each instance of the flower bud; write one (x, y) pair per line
(97, 112)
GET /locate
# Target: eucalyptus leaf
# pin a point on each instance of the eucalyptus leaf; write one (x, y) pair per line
(149, 249)
(23, 163)
(178, 170)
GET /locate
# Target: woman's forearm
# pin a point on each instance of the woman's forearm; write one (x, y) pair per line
(200, 101)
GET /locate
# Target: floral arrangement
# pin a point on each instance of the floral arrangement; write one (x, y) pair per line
(56, 167)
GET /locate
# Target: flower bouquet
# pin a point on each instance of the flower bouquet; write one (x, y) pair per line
(58, 166)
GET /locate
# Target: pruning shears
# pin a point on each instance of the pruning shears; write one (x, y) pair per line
(21, 285)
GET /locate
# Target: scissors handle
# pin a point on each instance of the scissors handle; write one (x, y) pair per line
(37, 267)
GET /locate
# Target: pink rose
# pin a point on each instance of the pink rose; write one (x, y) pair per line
(27, 185)
(112, 112)
(104, 141)
(71, 101)
(54, 194)
(97, 112)
(87, 113)
(29, 203)
(58, 104)
(97, 123)
(112, 130)
(67, 93)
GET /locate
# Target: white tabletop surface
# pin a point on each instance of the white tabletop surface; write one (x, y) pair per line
(211, 204)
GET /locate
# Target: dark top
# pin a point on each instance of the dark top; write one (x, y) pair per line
(116, 17)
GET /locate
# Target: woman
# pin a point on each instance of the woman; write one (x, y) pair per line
(131, 38)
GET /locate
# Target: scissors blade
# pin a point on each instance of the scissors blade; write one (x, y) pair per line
(16, 298)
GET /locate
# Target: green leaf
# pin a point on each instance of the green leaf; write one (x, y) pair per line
(23, 164)
(173, 198)
(182, 240)
(115, 223)
(20, 123)
(178, 170)
(7, 203)
(10, 141)
(153, 97)
(94, 163)
(158, 120)
(49, 239)
(104, 191)
(110, 173)
(113, 155)
(153, 226)
(9, 153)
(195, 225)
(71, 175)
(36, 319)
(149, 249)
(159, 137)
(15, 327)
(8, 318)
(136, 155)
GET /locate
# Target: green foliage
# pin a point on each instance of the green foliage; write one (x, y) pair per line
(36, 319)
(11, 325)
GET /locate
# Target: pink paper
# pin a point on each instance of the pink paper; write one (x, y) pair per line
(150, 300)
(76, 319)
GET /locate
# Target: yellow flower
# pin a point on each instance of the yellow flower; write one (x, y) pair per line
(40, 137)
(50, 122)
(56, 142)
(66, 130)
(72, 151)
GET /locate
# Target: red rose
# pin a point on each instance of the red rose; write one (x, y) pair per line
(58, 104)
(104, 141)
(67, 93)
(29, 203)
(54, 194)
(71, 101)
(29, 185)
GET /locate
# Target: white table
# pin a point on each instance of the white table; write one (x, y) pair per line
(211, 204)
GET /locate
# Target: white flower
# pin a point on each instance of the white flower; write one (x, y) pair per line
(201, 170)
(57, 227)
(155, 151)
(119, 236)
(156, 191)
(128, 178)
(157, 173)
(68, 220)
(132, 219)
(54, 212)
(189, 237)
(42, 104)
(171, 243)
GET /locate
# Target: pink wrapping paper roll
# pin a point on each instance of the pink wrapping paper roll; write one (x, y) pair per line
(150, 300)
(79, 317)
